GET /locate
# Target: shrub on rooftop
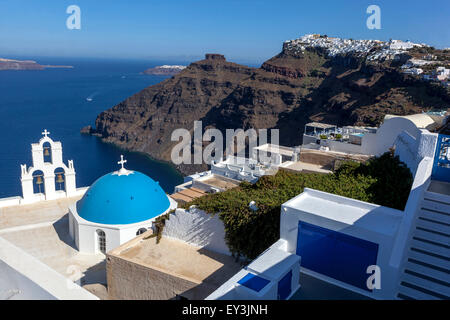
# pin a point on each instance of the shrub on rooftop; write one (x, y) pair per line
(383, 180)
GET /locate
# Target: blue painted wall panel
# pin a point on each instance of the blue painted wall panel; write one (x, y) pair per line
(335, 254)
(284, 286)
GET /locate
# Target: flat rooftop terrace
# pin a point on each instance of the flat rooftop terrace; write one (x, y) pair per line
(300, 166)
(220, 182)
(187, 195)
(178, 259)
(42, 230)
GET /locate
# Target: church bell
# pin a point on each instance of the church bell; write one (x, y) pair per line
(46, 152)
(59, 178)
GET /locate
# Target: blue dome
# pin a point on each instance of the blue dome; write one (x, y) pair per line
(123, 199)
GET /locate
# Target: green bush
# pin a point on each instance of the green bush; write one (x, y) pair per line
(323, 136)
(383, 180)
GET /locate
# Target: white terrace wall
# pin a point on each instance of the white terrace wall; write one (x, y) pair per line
(22, 276)
(411, 150)
(197, 228)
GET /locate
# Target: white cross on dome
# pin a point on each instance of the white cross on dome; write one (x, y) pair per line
(122, 161)
(122, 170)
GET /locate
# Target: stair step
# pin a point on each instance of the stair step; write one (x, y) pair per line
(429, 195)
(434, 225)
(436, 206)
(415, 294)
(433, 260)
(429, 247)
(433, 215)
(427, 271)
(438, 289)
(431, 236)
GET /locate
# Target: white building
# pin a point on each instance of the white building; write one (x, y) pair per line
(395, 130)
(442, 73)
(375, 251)
(116, 207)
(415, 71)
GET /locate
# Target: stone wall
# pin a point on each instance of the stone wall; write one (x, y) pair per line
(127, 280)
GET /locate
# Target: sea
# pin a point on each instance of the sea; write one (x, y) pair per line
(63, 101)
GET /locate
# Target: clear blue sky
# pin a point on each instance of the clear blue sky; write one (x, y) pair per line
(240, 29)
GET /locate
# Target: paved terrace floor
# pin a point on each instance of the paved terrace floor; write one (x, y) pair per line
(221, 183)
(300, 166)
(42, 230)
(187, 195)
(177, 258)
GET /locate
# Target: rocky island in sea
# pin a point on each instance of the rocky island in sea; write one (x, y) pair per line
(11, 64)
(165, 70)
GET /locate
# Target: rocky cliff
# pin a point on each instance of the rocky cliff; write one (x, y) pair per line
(10, 64)
(287, 91)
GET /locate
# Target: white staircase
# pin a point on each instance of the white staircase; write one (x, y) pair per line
(426, 270)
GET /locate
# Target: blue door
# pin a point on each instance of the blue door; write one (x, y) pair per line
(441, 165)
(284, 286)
(335, 254)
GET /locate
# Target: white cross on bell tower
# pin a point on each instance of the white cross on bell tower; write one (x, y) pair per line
(45, 133)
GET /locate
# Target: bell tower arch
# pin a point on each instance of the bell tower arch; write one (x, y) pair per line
(47, 158)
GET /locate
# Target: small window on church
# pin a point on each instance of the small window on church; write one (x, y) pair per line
(141, 231)
(101, 239)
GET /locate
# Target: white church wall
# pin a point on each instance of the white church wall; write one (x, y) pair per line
(126, 234)
(85, 232)
(198, 228)
(88, 238)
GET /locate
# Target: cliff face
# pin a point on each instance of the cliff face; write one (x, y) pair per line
(288, 91)
(10, 64)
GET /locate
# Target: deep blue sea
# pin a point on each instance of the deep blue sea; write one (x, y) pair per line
(55, 99)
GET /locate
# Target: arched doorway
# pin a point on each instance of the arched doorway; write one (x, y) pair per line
(101, 241)
(60, 179)
(38, 182)
(47, 152)
(141, 231)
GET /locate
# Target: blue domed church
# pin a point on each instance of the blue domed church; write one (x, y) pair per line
(116, 208)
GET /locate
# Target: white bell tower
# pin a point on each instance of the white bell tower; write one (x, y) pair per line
(48, 178)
